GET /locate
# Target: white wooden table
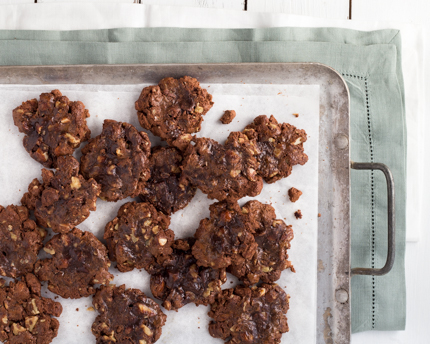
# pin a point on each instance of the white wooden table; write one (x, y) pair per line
(417, 254)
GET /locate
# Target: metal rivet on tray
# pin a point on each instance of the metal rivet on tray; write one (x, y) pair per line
(342, 295)
(341, 141)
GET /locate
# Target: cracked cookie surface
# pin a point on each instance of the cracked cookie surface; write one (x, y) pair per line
(126, 316)
(180, 281)
(163, 189)
(138, 237)
(26, 316)
(64, 199)
(20, 241)
(173, 109)
(279, 147)
(223, 172)
(54, 126)
(253, 315)
(79, 260)
(118, 160)
(224, 238)
(273, 238)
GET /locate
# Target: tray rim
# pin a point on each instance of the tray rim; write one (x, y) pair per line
(333, 313)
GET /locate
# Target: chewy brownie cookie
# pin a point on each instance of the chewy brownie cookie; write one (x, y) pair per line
(138, 237)
(223, 172)
(225, 238)
(79, 260)
(118, 160)
(54, 126)
(20, 241)
(25, 315)
(253, 315)
(163, 189)
(126, 316)
(64, 199)
(279, 146)
(228, 116)
(294, 194)
(180, 281)
(273, 238)
(173, 110)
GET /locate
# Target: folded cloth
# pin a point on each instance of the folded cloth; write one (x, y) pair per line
(370, 62)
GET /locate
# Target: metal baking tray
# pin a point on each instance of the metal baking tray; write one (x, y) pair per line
(334, 271)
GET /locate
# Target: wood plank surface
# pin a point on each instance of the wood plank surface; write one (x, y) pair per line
(335, 9)
(104, 1)
(10, 2)
(412, 10)
(227, 4)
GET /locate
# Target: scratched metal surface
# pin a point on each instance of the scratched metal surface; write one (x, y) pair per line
(333, 313)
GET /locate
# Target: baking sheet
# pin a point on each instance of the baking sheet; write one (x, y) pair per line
(189, 325)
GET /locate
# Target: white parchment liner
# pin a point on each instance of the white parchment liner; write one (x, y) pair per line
(189, 324)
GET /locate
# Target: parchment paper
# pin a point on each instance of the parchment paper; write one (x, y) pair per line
(189, 324)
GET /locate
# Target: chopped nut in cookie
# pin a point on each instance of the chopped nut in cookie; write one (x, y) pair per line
(20, 241)
(25, 316)
(54, 126)
(223, 172)
(164, 189)
(279, 147)
(139, 237)
(79, 261)
(64, 199)
(126, 316)
(179, 280)
(118, 160)
(253, 315)
(273, 238)
(174, 109)
(225, 238)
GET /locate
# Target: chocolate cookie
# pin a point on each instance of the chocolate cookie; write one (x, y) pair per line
(54, 126)
(163, 189)
(279, 146)
(225, 238)
(294, 194)
(25, 315)
(180, 281)
(20, 241)
(173, 110)
(273, 238)
(64, 199)
(138, 237)
(228, 116)
(223, 172)
(126, 316)
(118, 160)
(253, 315)
(79, 260)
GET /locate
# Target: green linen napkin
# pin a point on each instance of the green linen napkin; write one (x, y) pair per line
(370, 62)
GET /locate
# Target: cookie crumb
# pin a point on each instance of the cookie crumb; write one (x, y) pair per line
(77, 309)
(90, 309)
(295, 114)
(228, 116)
(298, 214)
(294, 194)
(319, 215)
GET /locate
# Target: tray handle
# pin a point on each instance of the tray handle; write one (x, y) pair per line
(391, 219)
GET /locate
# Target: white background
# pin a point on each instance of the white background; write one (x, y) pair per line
(414, 11)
